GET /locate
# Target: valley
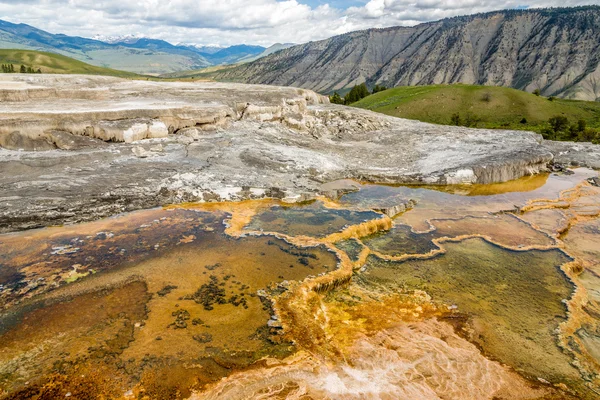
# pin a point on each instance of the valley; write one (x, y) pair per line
(136, 55)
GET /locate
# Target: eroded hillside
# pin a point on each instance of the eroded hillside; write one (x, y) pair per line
(553, 50)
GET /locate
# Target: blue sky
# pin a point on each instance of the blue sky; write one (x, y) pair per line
(228, 22)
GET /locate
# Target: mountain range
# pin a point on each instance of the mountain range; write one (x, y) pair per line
(129, 53)
(556, 51)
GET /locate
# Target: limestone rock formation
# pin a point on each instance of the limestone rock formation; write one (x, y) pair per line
(100, 146)
(554, 50)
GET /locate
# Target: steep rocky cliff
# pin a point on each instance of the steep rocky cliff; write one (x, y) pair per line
(554, 50)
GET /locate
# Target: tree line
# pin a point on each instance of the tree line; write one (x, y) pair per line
(560, 128)
(10, 68)
(357, 93)
(557, 128)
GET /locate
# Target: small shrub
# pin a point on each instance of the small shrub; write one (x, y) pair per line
(537, 92)
(559, 123)
(551, 98)
(558, 128)
(570, 134)
(471, 120)
(523, 121)
(487, 97)
(547, 133)
(455, 119)
(588, 135)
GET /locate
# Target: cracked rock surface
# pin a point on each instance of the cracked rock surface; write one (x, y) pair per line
(77, 148)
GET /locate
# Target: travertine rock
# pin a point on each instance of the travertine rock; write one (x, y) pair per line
(285, 144)
(15, 140)
(67, 141)
(118, 110)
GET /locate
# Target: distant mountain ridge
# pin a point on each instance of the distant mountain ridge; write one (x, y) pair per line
(554, 50)
(233, 54)
(249, 58)
(127, 53)
(129, 38)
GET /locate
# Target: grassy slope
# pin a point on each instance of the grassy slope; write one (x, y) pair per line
(505, 109)
(51, 63)
(204, 73)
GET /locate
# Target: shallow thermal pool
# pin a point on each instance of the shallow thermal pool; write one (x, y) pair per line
(473, 292)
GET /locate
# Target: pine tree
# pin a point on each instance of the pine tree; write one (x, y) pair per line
(356, 93)
(23, 69)
(363, 91)
(378, 89)
(12, 68)
(336, 98)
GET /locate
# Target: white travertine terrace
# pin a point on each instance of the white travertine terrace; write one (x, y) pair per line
(106, 145)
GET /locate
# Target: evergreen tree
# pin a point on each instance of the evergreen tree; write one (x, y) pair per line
(559, 123)
(358, 92)
(3, 68)
(379, 88)
(12, 68)
(23, 69)
(336, 98)
(39, 71)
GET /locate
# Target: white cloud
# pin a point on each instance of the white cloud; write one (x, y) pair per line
(238, 21)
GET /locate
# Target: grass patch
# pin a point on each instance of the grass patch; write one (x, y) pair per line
(203, 73)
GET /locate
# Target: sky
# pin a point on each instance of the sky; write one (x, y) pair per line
(229, 22)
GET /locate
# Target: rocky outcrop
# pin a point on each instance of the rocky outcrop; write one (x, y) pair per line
(16, 141)
(579, 154)
(226, 142)
(553, 50)
(117, 110)
(393, 211)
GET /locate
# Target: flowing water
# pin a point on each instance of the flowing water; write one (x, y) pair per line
(483, 291)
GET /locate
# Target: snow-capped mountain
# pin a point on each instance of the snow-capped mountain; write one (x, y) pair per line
(129, 38)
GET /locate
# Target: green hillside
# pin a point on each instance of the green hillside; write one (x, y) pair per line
(50, 63)
(204, 73)
(484, 107)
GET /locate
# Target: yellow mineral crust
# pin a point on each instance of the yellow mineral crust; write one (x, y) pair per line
(326, 330)
(356, 343)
